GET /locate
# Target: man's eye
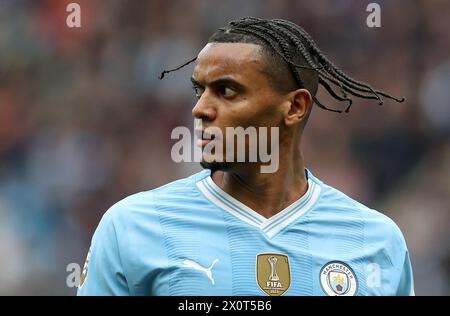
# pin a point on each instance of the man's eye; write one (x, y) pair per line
(227, 92)
(198, 91)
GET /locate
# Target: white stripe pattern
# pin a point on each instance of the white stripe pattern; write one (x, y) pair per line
(269, 226)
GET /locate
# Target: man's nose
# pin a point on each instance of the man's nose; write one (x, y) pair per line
(204, 108)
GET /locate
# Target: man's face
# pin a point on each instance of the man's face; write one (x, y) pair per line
(234, 90)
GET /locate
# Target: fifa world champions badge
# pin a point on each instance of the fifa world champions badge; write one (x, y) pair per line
(273, 273)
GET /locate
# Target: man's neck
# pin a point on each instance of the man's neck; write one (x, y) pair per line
(266, 193)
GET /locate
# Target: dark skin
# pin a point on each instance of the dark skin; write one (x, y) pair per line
(234, 89)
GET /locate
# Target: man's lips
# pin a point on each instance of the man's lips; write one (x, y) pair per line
(202, 142)
(203, 137)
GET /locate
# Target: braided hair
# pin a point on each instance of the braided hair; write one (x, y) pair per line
(289, 47)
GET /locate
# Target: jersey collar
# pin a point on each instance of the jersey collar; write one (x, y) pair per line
(269, 226)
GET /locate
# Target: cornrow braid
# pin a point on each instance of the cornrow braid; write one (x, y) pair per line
(309, 67)
(309, 60)
(334, 69)
(286, 56)
(331, 68)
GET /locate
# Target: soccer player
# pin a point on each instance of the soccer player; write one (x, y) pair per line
(234, 230)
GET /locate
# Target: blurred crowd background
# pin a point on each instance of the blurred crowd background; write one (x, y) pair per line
(84, 120)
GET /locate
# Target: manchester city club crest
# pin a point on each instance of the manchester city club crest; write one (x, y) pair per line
(338, 279)
(273, 273)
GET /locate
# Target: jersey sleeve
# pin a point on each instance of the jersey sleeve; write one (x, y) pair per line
(399, 255)
(103, 273)
(390, 272)
(406, 284)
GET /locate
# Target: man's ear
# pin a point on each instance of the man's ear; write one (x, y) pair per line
(300, 102)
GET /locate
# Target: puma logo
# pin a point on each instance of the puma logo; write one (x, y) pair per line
(194, 265)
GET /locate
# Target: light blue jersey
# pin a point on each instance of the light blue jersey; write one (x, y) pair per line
(191, 238)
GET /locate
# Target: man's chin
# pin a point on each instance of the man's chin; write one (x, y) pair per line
(216, 166)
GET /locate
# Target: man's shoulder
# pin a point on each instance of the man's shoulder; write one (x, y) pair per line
(344, 207)
(180, 186)
(179, 191)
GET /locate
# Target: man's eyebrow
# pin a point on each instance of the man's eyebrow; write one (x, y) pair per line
(219, 81)
(194, 81)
